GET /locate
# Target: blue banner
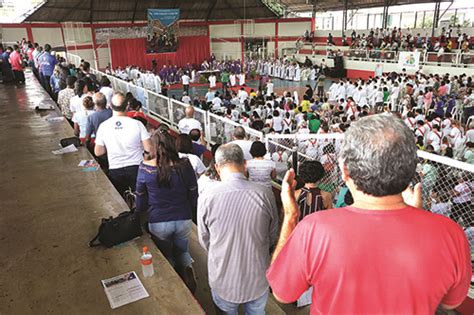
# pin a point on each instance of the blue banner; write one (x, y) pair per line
(165, 16)
(162, 30)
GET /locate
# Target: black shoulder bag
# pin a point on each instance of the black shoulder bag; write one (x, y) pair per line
(113, 231)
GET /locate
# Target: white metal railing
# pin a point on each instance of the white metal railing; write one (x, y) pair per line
(456, 59)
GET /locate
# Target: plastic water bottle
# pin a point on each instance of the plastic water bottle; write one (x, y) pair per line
(147, 263)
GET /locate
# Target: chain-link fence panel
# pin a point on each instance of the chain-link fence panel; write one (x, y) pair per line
(178, 112)
(158, 107)
(447, 187)
(313, 147)
(221, 130)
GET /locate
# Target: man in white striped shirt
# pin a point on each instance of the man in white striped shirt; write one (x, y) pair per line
(237, 226)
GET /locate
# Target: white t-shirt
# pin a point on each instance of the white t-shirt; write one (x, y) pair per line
(195, 161)
(186, 99)
(108, 93)
(122, 137)
(245, 146)
(185, 79)
(470, 136)
(185, 125)
(464, 190)
(269, 88)
(441, 208)
(80, 118)
(216, 103)
(204, 182)
(277, 124)
(260, 171)
(75, 104)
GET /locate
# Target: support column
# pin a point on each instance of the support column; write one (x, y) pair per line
(94, 48)
(64, 39)
(242, 41)
(344, 18)
(276, 40)
(435, 17)
(29, 33)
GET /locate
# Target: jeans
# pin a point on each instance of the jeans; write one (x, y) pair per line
(255, 307)
(124, 178)
(172, 239)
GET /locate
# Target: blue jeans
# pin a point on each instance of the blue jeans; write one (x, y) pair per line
(255, 307)
(173, 241)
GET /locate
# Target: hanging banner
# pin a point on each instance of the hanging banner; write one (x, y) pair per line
(162, 34)
(409, 60)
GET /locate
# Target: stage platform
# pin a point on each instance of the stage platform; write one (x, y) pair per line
(50, 209)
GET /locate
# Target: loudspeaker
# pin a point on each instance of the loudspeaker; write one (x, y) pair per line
(338, 71)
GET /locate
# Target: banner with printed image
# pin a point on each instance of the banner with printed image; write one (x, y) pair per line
(410, 60)
(162, 34)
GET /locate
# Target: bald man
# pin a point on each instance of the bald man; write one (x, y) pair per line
(188, 123)
(124, 139)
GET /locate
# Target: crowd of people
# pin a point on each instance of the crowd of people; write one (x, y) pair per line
(250, 247)
(397, 39)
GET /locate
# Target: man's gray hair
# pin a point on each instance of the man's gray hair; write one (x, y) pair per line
(239, 133)
(229, 154)
(100, 100)
(379, 153)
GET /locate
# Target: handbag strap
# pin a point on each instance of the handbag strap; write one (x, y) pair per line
(91, 243)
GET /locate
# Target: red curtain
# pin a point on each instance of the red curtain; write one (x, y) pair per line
(132, 51)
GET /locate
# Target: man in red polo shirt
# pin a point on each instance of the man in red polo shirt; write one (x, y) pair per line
(17, 67)
(382, 254)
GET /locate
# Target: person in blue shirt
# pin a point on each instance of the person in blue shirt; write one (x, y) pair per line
(6, 66)
(54, 83)
(47, 62)
(167, 189)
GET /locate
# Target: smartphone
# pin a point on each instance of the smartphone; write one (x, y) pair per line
(294, 160)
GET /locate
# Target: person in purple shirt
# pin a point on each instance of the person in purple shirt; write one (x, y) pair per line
(439, 106)
(164, 74)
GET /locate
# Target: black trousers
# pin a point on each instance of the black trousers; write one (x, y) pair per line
(19, 77)
(45, 81)
(124, 178)
(186, 88)
(320, 91)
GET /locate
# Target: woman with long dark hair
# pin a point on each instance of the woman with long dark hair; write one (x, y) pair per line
(167, 188)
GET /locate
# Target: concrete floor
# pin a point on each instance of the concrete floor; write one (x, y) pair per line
(203, 294)
(50, 210)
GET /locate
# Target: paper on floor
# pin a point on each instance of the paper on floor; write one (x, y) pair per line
(69, 149)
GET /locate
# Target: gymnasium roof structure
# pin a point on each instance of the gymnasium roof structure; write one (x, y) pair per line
(136, 10)
(334, 5)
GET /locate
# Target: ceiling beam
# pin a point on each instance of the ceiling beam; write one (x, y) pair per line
(211, 8)
(134, 11)
(232, 9)
(74, 8)
(91, 7)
